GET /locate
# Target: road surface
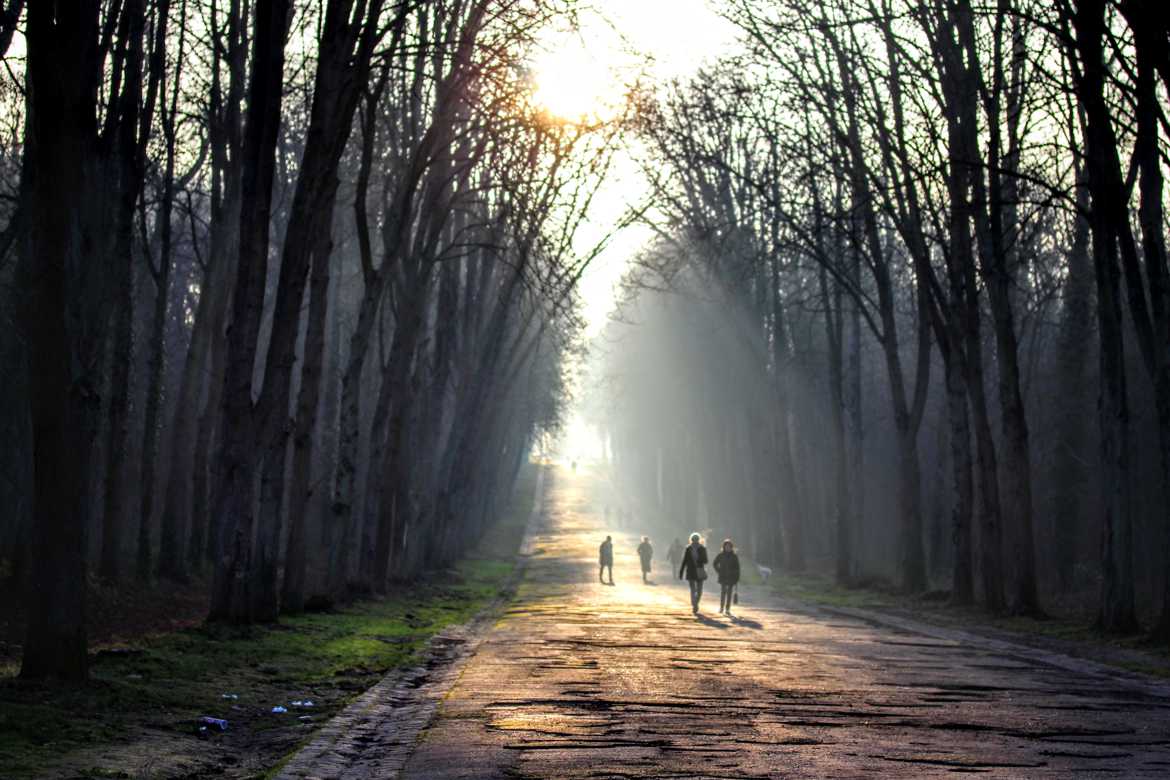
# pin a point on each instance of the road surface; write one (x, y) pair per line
(584, 680)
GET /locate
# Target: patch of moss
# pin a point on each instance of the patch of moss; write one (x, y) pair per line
(169, 681)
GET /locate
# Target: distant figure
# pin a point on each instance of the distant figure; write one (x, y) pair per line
(727, 567)
(764, 571)
(605, 559)
(693, 568)
(645, 552)
(674, 554)
(574, 465)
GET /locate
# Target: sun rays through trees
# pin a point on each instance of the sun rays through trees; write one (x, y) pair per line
(290, 290)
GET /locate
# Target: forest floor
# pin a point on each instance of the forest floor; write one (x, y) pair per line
(581, 679)
(115, 614)
(155, 674)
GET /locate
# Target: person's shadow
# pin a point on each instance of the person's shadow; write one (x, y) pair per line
(710, 621)
(746, 622)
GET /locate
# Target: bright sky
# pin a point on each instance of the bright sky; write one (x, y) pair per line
(620, 42)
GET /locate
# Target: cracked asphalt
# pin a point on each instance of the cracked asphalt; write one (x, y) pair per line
(583, 680)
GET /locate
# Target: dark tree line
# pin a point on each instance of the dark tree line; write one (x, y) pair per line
(288, 287)
(928, 241)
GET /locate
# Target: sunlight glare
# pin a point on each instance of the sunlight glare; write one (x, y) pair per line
(572, 85)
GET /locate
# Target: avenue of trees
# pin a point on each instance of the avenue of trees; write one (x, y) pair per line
(286, 289)
(908, 314)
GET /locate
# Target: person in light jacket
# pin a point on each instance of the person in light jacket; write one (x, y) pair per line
(693, 568)
(726, 565)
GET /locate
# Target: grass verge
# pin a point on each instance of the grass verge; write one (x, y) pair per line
(1069, 635)
(139, 715)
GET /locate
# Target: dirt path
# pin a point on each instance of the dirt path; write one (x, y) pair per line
(585, 680)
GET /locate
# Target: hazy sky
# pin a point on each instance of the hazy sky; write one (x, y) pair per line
(619, 42)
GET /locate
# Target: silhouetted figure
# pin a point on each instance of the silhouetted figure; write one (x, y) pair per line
(645, 552)
(674, 554)
(693, 567)
(726, 565)
(605, 559)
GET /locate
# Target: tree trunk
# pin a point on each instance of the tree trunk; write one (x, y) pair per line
(831, 303)
(301, 488)
(395, 511)
(161, 276)
(1152, 50)
(962, 576)
(177, 499)
(986, 475)
(1117, 609)
(118, 426)
(126, 171)
(233, 588)
(1073, 359)
(855, 453)
(61, 326)
(790, 510)
(1017, 461)
(1118, 614)
(366, 535)
(205, 524)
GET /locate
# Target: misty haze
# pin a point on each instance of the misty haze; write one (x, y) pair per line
(556, 389)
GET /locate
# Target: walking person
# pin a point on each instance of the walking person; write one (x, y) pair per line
(674, 553)
(646, 553)
(605, 559)
(694, 563)
(726, 565)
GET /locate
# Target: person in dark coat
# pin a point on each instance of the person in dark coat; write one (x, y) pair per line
(693, 567)
(646, 553)
(605, 559)
(726, 565)
(675, 554)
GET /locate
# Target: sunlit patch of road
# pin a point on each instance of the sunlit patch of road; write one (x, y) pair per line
(583, 679)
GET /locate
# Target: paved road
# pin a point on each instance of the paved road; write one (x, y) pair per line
(585, 680)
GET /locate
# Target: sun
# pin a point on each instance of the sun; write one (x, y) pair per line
(573, 84)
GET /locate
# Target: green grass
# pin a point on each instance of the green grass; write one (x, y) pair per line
(165, 683)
